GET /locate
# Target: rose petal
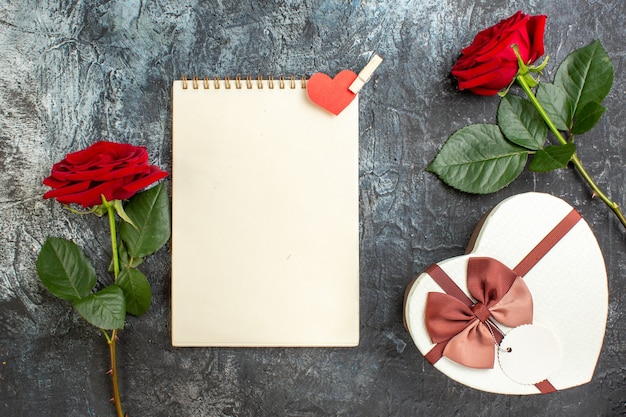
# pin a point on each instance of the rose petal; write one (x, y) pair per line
(92, 196)
(114, 170)
(141, 183)
(68, 190)
(536, 28)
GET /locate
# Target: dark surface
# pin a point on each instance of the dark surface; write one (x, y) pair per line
(72, 73)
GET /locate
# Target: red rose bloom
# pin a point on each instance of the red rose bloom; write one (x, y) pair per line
(489, 64)
(114, 170)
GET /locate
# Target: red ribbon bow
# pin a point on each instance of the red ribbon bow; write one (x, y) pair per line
(467, 328)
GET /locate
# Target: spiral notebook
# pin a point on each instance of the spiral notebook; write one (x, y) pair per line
(265, 216)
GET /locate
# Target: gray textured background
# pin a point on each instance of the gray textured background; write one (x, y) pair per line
(74, 72)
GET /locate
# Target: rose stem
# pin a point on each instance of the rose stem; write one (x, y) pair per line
(112, 340)
(574, 159)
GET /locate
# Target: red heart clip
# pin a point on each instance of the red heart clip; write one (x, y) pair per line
(331, 93)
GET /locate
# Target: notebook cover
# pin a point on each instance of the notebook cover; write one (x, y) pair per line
(265, 219)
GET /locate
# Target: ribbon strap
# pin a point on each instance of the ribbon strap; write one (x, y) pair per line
(547, 243)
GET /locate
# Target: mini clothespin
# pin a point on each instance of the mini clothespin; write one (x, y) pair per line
(365, 74)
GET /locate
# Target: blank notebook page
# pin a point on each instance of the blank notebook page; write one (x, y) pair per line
(265, 217)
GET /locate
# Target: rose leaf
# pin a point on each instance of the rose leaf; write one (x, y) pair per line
(125, 260)
(105, 309)
(521, 123)
(137, 291)
(65, 270)
(149, 211)
(589, 117)
(552, 157)
(478, 159)
(586, 75)
(556, 104)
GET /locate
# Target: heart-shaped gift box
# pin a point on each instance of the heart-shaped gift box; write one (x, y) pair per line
(524, 310)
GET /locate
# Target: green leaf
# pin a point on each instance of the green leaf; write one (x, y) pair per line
(556, 104)
(105, 309)
(588, 117)
(552, 157)
(137, 291)
(586, 76)
(520, 122)
(478, 159)
(125, 260)
(150, 211)
(135, 262)
(119, 209)
(65, 270)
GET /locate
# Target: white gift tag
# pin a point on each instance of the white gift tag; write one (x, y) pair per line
(529, 354)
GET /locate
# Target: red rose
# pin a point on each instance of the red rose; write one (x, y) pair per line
(489, 64)
(114, 170)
